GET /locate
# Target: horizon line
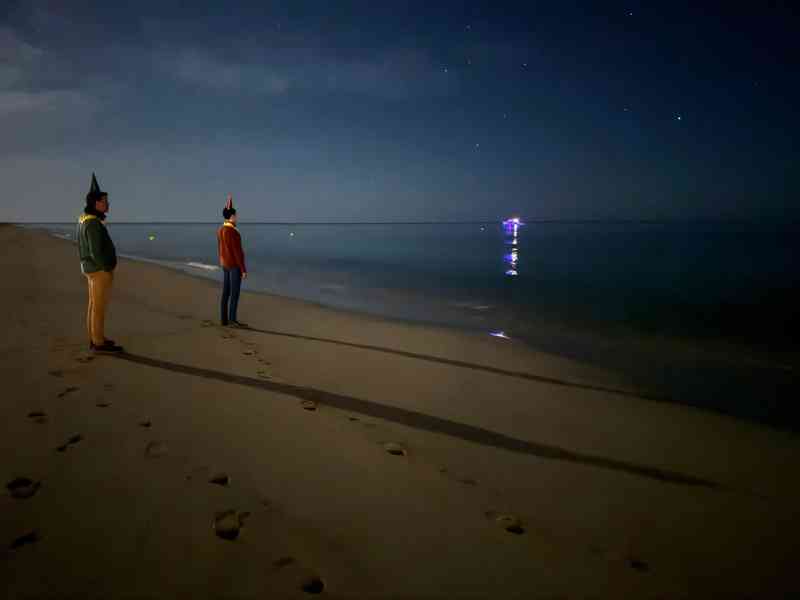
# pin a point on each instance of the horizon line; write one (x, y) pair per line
(466, 222)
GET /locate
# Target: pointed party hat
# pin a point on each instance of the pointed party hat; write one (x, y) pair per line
(94, 190)
(229, 203)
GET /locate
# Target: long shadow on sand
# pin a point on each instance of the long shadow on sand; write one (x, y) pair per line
(466, 365)
(427, 422)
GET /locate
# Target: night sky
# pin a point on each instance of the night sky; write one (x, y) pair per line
(409, 111)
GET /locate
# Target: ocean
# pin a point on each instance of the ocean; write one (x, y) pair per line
(705, 313)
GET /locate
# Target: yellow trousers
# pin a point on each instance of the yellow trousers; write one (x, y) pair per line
(99, 292)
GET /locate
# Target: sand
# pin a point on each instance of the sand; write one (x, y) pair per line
(328, 453)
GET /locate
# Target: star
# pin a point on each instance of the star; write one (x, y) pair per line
(477, 145)
(678, 117)
(630, 14)
(524, 65)
(445, 69)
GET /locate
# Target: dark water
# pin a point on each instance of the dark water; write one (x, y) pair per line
(616, 295)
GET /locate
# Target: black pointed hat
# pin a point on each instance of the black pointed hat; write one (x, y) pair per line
(94, 189)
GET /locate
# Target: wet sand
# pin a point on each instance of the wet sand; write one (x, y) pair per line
(326, 453)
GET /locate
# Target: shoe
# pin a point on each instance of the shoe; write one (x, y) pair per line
(238, 324)
(105, 347)
(223, 323)
(107, 342)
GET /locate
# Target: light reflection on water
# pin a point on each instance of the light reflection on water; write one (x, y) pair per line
(511, 231)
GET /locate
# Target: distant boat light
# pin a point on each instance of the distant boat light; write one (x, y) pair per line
(513, 222)
(499, 334)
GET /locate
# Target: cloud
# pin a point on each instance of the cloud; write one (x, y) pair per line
(13, 102)
(397, 73)
(14, 50)
(213, 73)
(17, 58)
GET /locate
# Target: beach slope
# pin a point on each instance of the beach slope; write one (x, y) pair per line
(323, 452)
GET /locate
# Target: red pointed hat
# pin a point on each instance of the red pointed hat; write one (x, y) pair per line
(229, 203)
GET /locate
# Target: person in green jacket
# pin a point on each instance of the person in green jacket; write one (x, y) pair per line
(98, 261)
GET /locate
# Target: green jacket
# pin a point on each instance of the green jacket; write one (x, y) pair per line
(95, 247)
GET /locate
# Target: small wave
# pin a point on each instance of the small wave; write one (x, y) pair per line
(203, 266)
(332, 288)
(499, 334)
(472, 306)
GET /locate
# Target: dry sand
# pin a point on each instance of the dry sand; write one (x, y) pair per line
(432, 464)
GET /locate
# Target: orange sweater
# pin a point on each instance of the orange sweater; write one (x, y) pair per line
(229, 245)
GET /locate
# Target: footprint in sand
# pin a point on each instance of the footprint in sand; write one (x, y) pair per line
(220, 479)
(315, 585)
(70, 442)
(56, 373)
(67, 391)
(85, 359)
(248, 353)
(29, 538)
(156, 449)
(395, 449)
(227, 524)
(263, 374)
(103, 404)
(22, 488)
(638, 565)
(38, 416)
(309, 405)
(147, 423)
(510, 523)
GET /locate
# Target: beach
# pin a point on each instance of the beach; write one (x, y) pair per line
(326, 452)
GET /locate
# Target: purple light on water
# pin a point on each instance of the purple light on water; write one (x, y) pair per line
(499, 334)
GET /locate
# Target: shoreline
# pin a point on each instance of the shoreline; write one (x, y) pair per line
(729, 369)
(382, 474)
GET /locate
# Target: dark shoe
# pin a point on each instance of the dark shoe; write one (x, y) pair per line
(224, 323)
(238, 324)
(105, 347)
(107, 342)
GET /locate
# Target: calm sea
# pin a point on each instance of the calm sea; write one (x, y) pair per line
(706, 313)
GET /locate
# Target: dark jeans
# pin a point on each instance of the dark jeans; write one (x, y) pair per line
(230, 290)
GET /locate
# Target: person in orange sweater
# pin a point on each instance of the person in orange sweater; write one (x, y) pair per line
(231, 259)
